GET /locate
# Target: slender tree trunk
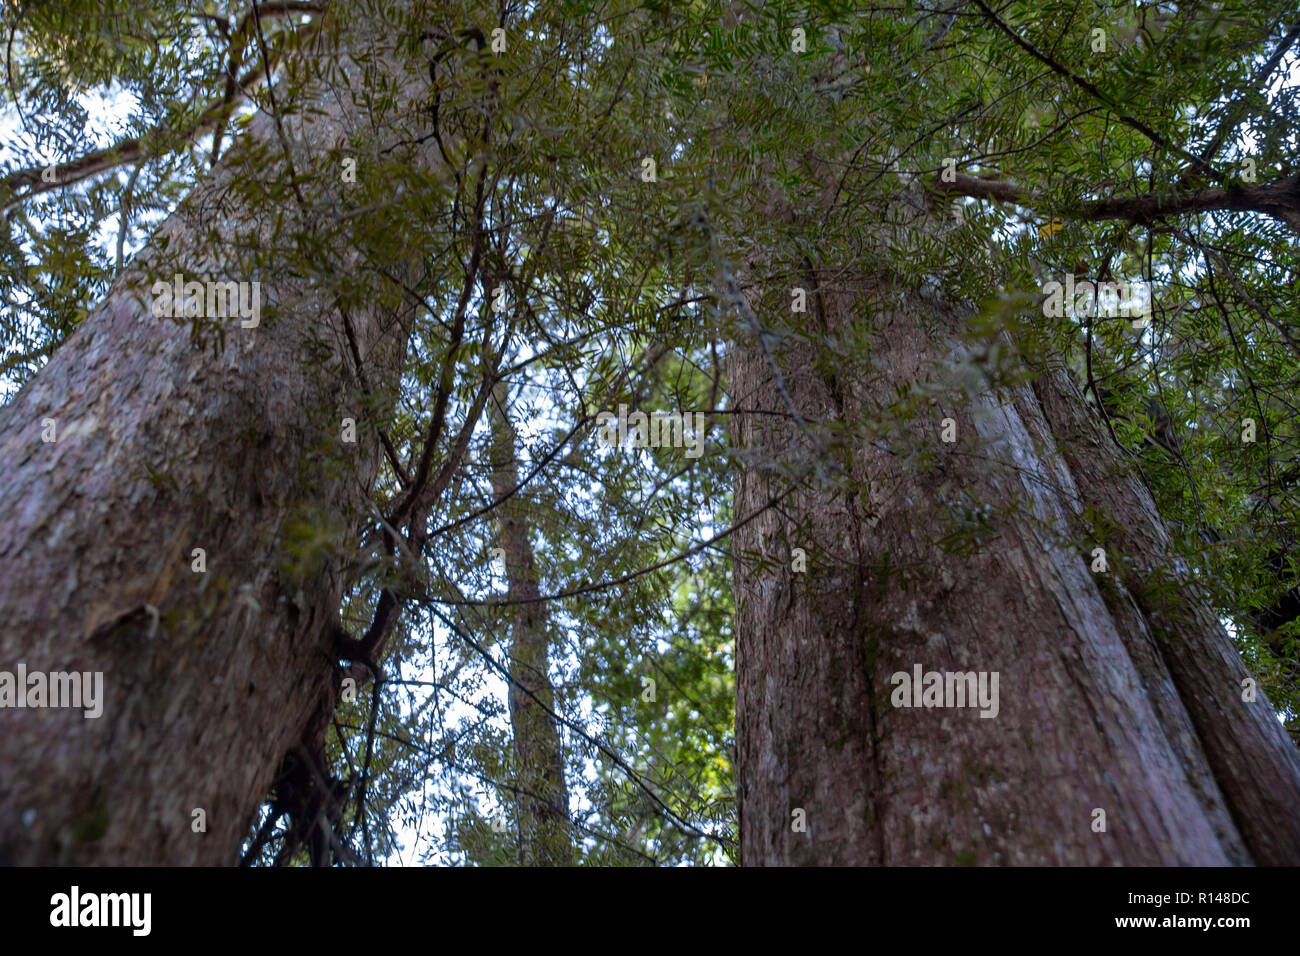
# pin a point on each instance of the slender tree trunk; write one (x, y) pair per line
(210, 677)
(1119, 691)
(539, 756)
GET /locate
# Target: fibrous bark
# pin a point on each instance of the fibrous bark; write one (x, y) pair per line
(167, 444)
(1119, 690)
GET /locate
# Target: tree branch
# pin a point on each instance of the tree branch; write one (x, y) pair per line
(32, 181)
(1280, 199)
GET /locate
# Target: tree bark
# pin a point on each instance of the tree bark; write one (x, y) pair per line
(1115, 693)
(212, 678)
(543, 797)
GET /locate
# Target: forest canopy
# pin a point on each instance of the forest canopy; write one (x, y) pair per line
(575, 218)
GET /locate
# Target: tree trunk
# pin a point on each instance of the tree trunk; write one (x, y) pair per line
(210, 678)
(543, 797)
(1115, 693)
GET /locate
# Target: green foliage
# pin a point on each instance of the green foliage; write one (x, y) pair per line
(613, 299)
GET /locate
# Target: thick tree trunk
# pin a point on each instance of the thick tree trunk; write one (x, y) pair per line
(1114, 694)
(543, 797)
(210, 678)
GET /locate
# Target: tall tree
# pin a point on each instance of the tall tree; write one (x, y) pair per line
(954, 517)
(188, 492)
(1117, 693)
(542, 797)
